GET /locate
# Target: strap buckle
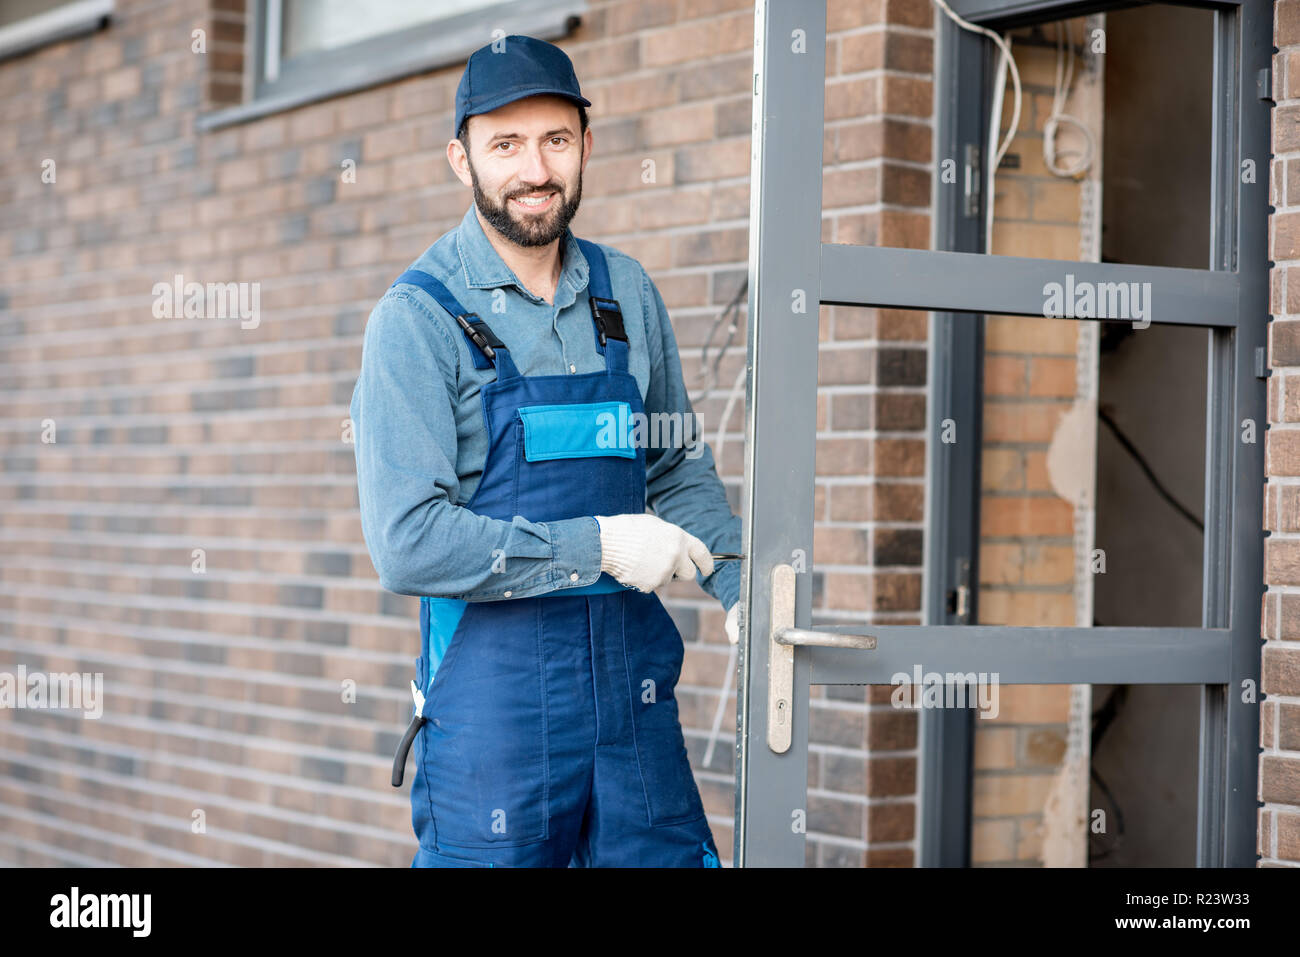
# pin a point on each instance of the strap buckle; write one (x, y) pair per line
(480, 334)
(608, 318)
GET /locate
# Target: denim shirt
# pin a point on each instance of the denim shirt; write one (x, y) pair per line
(421, 442)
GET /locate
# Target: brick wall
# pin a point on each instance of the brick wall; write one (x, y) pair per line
(192, 530)
(869, 496)
(1279, 763)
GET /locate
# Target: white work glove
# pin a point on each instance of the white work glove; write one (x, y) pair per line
(733, 623)
(645, 552)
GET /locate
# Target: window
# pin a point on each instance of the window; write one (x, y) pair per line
(311, 26)
(300, 51)
(28, 24)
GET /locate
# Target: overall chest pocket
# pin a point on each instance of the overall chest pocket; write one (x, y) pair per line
(577, 459)
(577, 431)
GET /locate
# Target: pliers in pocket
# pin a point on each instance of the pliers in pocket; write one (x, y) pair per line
(412, 729)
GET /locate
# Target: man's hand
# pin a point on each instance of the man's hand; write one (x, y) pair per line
(733, 623)
(645, 552)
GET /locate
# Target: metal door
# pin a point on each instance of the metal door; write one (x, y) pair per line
(790, 267)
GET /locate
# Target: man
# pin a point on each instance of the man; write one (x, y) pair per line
(498, 481)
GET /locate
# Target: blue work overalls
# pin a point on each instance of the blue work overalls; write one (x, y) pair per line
(550, 734)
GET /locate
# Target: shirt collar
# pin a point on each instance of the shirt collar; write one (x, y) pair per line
(484, 268)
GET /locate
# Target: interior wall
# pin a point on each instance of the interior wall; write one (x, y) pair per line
(1030, 786)
(1152, 385)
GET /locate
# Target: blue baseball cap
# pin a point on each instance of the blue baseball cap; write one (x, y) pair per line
(511, 69)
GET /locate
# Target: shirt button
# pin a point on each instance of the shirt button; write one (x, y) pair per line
(572, 367)
(573, 577)
(506, 594)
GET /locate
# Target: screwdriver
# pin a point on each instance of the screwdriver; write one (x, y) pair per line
(726, 556)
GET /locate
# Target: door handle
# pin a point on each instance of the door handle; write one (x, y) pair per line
(783, 638)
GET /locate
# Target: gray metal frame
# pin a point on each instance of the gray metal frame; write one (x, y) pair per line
(1230, 298)
(956, 382)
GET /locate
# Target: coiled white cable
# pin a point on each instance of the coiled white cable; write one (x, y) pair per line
(1060, 93)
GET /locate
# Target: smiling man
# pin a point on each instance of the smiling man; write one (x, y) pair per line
(546, 726)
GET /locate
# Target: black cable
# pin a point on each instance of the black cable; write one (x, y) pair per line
(710, 370)
(1131, 449)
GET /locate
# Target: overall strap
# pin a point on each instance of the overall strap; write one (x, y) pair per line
(606, 315)
(485, 347)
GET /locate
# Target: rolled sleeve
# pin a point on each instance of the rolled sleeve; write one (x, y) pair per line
(577, 551)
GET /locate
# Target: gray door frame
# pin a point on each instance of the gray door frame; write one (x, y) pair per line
(955, 379)
(792, 271)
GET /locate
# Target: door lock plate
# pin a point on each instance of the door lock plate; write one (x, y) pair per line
(780, 661)
(783, 636)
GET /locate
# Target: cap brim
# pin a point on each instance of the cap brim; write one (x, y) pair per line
(502, 99)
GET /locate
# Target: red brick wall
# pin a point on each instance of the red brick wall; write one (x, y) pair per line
(869, 498)
(225, 689)
(1279, 762)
